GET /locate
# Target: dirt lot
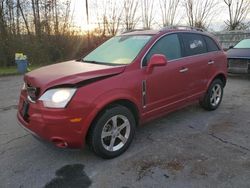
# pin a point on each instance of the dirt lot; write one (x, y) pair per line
(188, 148)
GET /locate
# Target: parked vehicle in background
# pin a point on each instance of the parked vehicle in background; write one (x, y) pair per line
(239, 57)
(130, 79)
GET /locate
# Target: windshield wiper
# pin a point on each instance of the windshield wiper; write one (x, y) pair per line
(95, 62)
(88, 61)
(100, 63)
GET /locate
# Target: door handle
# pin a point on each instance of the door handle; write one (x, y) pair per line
(183, 70)
(210, 62)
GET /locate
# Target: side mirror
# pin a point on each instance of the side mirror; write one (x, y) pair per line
(230, 47)
(155, 61)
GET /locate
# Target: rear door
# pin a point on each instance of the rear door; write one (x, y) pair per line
(216, 56)
(196, 62)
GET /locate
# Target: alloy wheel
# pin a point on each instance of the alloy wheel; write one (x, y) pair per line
(216, 95)
(115, 133)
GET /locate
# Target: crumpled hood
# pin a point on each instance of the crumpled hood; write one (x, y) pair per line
(238, 53)
(70, 72)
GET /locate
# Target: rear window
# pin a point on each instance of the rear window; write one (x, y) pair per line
(211, 45)
(194, 44)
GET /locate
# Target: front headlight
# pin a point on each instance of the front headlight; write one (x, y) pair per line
(57, 98)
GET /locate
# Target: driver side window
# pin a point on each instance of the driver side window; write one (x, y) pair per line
(169, 46)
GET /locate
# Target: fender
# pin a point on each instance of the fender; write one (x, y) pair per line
(105, 99)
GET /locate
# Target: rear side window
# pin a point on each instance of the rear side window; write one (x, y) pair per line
(168, 45)
(193, 44)
(211, 45)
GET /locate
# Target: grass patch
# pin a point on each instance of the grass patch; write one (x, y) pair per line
(5, 71)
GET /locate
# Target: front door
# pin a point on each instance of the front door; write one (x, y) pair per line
(165, 86)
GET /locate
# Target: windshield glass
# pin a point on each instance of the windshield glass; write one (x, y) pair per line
(118, 50)
(243, 44)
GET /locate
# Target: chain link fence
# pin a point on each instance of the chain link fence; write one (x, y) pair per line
(230, 38)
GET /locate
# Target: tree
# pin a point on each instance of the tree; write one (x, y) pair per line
(147, 13)
(19, 7)
(24, 21)
(3, 36)
(36, 16)
(130, 17)
(238, 11)
(200, 13)
(101, 17)
(109, 17)
(113, 19)
(168, 11)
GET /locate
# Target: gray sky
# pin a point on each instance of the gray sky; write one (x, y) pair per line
(217, 22)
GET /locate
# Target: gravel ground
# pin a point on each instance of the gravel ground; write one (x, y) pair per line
(187, 148)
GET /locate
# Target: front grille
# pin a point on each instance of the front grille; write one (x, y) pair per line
(32, 92)
(238, 63)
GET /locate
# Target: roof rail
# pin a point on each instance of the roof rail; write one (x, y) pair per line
(182, 27)
(132, 30)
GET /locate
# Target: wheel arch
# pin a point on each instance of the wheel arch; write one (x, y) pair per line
(122, 102)
(220, 76)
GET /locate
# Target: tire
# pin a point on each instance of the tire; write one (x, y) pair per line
(112, 132)
(213, 96)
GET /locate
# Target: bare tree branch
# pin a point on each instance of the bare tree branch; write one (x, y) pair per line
(238, 11)
(199, 13)
(130, 17)
(147, 13)
(168, 11)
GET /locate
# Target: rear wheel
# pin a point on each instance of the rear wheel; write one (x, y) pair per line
(213, 97)
(112, 132)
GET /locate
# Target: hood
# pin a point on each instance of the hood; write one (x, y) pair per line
(70, 72)
(238, 53)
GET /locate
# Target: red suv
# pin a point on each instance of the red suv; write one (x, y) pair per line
(130, 79)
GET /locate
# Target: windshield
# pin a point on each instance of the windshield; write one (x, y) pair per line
(243, 44)
(118, 50)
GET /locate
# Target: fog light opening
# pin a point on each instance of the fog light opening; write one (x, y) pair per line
(59, 142)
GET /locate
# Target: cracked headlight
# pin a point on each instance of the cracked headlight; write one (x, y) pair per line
(57, 98)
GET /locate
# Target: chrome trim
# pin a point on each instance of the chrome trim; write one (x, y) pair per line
(24, 87)
(183, 70)
(177, 58)
(31, 90)
(210, 62)
(30, 100)
(144, 93)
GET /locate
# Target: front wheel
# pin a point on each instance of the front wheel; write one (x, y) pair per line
(112, 132)
(213, 97)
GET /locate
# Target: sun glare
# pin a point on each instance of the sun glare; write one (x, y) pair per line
(80, 18)
(88, 27)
